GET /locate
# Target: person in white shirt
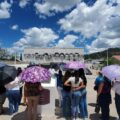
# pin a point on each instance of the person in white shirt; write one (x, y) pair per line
(13, 94)
(75, 82)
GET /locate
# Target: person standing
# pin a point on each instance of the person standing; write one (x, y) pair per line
(104, 98)
(83, 94)
(116, 88)
(75, 83)
(99, 79)
(2, 97)
(32, 91)
(66, 109)
(13, 94)
(117, 103)
(19, 70)
(59, 77)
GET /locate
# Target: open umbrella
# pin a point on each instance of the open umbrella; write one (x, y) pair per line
(75, 65)
(116, 87)
(7, 74)
(112, 72)
(2, 64)
(35, 74)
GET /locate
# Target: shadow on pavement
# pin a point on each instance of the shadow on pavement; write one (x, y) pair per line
(5, 111)
(19, 116)
(92, 104)
(96, 116)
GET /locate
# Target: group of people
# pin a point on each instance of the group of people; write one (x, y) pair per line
(17, 89)
(72, 94)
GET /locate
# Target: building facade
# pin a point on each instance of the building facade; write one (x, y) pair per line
(47, 55)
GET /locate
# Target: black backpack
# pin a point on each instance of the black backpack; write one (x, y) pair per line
(106, 87)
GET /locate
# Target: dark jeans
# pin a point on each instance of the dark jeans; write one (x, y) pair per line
(66, 104)
(117, 103)
(21, 89)
(2, 100)
(104, 102)
(13, 98)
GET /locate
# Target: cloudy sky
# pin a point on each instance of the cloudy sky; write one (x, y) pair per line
(91, 24)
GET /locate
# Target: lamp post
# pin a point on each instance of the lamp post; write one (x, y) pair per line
(15, 58)
(82, 42)
(107, 58)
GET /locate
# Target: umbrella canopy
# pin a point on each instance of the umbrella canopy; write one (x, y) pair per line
(7, 74)
(74, 65)
(116, 87)
(35, 74)
(112, 72)
(2, 64)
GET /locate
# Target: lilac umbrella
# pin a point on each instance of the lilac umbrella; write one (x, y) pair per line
(112, 72)
(116, 87)
(35, 74)
(75, 65)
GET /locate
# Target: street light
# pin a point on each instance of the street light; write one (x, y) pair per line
(15, 58)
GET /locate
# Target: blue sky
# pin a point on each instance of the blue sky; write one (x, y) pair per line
(91, 24)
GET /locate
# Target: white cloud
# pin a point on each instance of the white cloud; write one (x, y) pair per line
(36, 37)
(23, 3)
(67, 41)
(109, 37)
(87, 20)
(14, 27)
(100, 20)
(50, 7)
(5, 10)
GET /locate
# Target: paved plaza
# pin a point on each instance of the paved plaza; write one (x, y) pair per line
(48, 111)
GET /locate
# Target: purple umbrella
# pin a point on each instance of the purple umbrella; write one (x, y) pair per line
(116, 87)
(35, 74)
(75, 65)
(112, 72)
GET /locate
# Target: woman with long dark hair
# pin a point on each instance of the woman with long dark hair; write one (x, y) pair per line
(19, 71)
(75, 83)
(83, 94)
(66, 108)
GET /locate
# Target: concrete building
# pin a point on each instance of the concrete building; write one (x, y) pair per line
(47, 55)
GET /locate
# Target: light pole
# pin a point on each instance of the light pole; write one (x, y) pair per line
(107, 58)
(15, 58)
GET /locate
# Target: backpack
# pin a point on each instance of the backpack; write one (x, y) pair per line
(106, 87)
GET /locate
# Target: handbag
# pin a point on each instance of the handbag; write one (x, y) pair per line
(95, 88)
(44, 97)
(97, 108)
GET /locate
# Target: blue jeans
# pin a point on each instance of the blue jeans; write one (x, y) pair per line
(75, 99)
(83, 104)
(66, 103)
(13, 98)
(117, 103)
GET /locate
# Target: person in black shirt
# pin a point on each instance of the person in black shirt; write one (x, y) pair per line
(83, 93)
(66, 96)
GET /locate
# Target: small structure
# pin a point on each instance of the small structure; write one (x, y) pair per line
(116, 59)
